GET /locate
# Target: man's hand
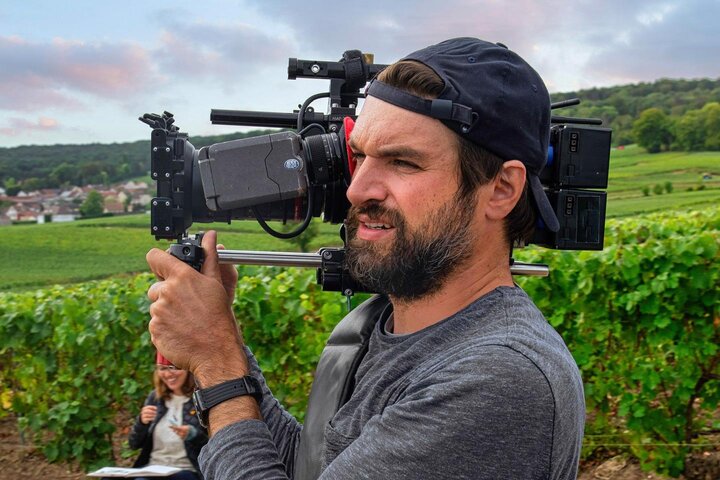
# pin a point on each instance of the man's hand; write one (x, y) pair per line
(192, 323)
(193, 326)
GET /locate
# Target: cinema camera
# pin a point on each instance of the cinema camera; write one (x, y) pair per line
(301, 174)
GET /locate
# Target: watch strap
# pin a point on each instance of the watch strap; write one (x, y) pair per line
(206, 398)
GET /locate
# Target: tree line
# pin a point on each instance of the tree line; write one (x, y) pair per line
(694, 131)
(34, 167)
(620, 107)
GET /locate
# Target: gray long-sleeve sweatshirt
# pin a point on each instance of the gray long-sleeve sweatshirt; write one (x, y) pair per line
(491, 392)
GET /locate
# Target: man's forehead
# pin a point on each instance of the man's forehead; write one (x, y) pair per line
(377, 120)
(382, 125)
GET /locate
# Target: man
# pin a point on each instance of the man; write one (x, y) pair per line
(463, 377)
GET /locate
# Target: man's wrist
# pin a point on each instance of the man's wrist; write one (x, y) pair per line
(213, 372)
(207, 398)
(233, 411)
(216, 371)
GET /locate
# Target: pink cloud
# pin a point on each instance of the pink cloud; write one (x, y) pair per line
(53, 74)
(105, 70)
(20, 126)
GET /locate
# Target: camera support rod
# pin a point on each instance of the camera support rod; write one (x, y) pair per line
(270, 259)
(290, 259)
(329, 263)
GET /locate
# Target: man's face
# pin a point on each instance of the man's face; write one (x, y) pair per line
(407, 229)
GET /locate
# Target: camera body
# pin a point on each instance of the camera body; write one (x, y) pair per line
(296, 175)
(575, 179)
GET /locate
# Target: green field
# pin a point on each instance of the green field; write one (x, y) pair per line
(37, 255)
(632, 169)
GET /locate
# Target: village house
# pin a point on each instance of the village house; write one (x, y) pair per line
(62, 213)
(114, 206)
(56, 205)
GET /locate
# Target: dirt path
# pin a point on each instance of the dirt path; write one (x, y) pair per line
(21, 461)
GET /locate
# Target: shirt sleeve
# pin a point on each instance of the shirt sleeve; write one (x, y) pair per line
(253, 448)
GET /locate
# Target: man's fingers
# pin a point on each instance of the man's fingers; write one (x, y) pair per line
(210, 266)
(162, 264)
(153, 292)
(229, 276)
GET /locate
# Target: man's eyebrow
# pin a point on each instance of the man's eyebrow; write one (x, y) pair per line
(390, 151)
(400, 151)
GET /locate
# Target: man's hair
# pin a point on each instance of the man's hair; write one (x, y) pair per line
(478, 166)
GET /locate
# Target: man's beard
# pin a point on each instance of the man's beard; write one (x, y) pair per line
(418, 263)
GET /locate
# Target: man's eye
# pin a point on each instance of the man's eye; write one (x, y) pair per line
(404, 164)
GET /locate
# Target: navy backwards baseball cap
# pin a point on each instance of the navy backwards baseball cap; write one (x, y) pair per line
(493, 98)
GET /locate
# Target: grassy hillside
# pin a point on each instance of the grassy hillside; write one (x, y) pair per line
(632, 168)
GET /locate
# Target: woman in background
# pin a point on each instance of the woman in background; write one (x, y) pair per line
(167, 429)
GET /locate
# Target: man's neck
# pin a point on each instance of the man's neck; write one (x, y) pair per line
(470, 282)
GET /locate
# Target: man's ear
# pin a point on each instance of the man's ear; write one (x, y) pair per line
(507, 187)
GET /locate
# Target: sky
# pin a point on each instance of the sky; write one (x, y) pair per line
(83, 71)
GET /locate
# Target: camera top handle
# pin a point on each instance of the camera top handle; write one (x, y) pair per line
(346, 77)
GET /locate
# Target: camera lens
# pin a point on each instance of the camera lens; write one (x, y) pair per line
(324, 157)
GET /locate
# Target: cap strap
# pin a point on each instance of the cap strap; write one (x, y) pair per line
(438, 108)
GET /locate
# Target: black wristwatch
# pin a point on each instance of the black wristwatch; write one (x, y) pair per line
(207, 398)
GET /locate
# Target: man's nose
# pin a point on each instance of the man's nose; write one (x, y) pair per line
(367, 183)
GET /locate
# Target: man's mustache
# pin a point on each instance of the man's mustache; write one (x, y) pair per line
(374, 210)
